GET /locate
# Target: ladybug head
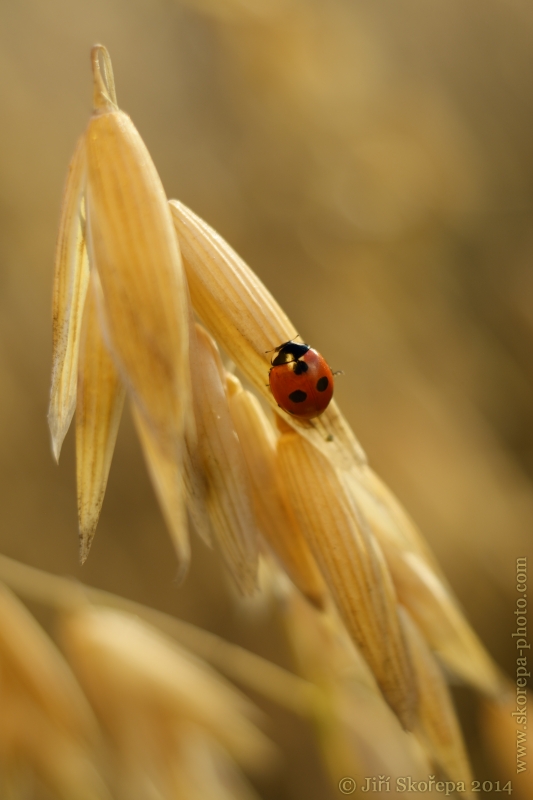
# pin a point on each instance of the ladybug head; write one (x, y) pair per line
(290, 351)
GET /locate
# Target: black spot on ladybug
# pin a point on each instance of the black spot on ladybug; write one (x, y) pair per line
(300, 367)
(322, 384)
(298, 396)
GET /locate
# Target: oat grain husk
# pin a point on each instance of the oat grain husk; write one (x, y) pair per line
(228, 491)
(133, 247)
(353, 568)
(99, 409)
(116, 225)
(71, 278)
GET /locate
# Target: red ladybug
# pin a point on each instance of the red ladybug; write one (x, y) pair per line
(300, 380)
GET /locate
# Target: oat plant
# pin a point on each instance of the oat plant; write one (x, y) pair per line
(126, 713)
(133, 274)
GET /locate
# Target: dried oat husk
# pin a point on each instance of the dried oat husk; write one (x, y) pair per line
(133, 248)
(275, 519)
(144, 686)
(421, 587)
(71, 278)
(352, 566)
(115, 210)
(47, 728)
(228, 491)
(100, 400)
(438, 726)
(246, 320)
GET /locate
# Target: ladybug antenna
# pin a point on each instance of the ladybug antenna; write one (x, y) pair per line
(338, 372)
(280, 346)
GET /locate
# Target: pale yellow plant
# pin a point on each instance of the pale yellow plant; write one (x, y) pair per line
(306, 487)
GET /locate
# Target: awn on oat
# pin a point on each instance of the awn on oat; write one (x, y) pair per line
(115, 210)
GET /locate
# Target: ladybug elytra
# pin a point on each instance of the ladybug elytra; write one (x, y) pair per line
(301, 380)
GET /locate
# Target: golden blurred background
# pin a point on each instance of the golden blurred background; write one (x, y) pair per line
(373, 163)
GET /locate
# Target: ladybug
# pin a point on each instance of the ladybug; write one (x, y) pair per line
(300, 380)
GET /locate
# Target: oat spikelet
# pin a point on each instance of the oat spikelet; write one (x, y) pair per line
(139, 337)
(275, 519)
(420, 586)
(246, 320)
(438, 724)
(352, 565)
(229, 502)
(98, 412)
(133, 247)
(70, 286)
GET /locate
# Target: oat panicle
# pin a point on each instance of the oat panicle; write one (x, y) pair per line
(125, 309)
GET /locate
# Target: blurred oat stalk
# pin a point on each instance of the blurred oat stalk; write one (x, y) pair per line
(122, 290)
(130, 714)
(357, 732)
(48, 732)
(165, 712)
